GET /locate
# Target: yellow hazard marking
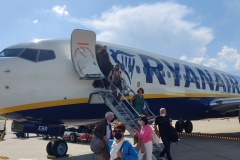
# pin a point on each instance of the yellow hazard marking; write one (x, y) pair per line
(52, 156)
(208, 136)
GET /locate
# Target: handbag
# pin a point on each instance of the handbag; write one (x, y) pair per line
(97, 145)
(173, 135)
(155, 138)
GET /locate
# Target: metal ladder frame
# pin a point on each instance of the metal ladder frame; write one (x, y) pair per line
(123, 113)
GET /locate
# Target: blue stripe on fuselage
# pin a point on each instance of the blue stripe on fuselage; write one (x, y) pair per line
(178, 108)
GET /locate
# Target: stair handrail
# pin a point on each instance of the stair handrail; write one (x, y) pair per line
(147, 107)
(110, 93)
(130, 90)
(123, 96)
(125, 109)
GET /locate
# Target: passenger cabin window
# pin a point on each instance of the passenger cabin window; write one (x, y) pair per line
(144, 70)
(122, 67)
(151, 71)
(169, 75)
(163, 73)
(11, 52)
(138, 69)
(157, 72)
(179, 75)
(130, 68)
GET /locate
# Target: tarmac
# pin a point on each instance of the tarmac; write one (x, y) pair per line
(210, 140)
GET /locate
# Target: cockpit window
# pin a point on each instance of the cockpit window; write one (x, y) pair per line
(34, 55)
(30, 54)
(11, 52)
(46, 55)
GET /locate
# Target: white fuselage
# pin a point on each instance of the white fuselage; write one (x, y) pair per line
(29, 86)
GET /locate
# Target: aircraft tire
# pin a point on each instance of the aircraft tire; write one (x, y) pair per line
(20, 135)
(188, 126)
(49, 148)
(59, 148)
(73, 137)
(45, 137)
(179, 126)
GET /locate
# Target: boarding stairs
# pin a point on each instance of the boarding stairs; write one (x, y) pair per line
(122, 111)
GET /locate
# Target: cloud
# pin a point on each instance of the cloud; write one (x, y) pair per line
(161, 28)
(60, 10)
(35, 21)
(228, 59)
(230, 55)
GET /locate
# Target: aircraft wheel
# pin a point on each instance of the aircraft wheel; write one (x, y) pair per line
(179, 126)
(20, 135)
(188, 126)
(73, 137)
(45, 137)
(49, 148)
(59, 148)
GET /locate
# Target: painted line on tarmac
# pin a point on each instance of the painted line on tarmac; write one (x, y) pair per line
(208, 136)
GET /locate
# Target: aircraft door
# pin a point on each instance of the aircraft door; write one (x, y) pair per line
(83, 54)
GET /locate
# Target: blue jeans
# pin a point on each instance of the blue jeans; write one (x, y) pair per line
(166, 149)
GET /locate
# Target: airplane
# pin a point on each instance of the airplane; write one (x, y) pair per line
(48, 84)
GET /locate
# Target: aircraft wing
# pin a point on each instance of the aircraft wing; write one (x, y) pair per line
(225, 104)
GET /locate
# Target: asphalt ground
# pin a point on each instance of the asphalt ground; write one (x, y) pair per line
(210, 140)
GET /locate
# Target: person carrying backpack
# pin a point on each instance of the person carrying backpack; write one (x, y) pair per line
(121, 149)
(102, 133)
(162, 126)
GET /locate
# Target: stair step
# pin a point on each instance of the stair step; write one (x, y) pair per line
(125, 115)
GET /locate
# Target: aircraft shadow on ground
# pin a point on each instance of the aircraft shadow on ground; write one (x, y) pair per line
(83, 157)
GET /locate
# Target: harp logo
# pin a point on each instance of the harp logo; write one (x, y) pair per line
(126, 61)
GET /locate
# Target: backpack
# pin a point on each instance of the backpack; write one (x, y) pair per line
(173, 135)
(112, 71)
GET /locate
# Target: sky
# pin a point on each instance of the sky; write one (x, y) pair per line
(205, 32)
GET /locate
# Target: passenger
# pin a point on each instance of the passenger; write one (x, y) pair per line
(103, 60)
(105, 66)
(162, 126)
(146, 136)
(115, 78)
(104, 131)
(137, 102)
(119, 147)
